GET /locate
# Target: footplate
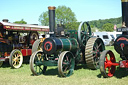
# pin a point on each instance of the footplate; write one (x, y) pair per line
(3, 59)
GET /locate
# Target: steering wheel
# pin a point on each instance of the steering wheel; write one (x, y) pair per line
(84, 33)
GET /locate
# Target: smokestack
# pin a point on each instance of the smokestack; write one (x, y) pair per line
(52, 20)
(124, 13)
(5, 20)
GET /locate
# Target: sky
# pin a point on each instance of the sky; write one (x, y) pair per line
(85, 10)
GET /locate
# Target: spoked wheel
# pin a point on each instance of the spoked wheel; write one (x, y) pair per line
(106, 59)
(84, 32)
(16, 59)
(35, 63)
(33, 37)
(37, 45)
(93, 50)
(66, 64)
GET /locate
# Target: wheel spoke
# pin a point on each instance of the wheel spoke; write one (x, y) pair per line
(109, 70)
(106, 59)
(65, 69)
(65, 64)
(35, 59)
(15, 63)
(67, 58)
(99, 46)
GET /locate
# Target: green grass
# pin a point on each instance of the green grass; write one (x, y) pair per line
(81, 76)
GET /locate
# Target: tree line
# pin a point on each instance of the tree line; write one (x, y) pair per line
(100, 24)
(64, 15)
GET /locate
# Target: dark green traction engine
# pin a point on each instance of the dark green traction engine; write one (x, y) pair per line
(76, 47)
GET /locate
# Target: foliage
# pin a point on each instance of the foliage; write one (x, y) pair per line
(63, 15)
(108, 27)
(44, 18)
(72, 25)
(21, 22)
(99, 23)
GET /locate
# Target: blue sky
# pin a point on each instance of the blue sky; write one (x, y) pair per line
(85, 10)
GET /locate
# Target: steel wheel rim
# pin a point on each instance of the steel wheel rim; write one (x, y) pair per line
(17, 59)
(106, 67)
(109, 70)
(66, 64)
(36, 68)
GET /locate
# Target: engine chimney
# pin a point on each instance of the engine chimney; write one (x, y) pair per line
(51, 20)
(5, 20)
(124, 13)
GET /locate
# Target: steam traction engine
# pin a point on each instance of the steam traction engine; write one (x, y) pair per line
(107, 59)
(75, 47)
(16, 41)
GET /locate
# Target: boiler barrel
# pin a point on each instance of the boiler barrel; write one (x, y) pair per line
(121, 44)
(54, 45)
(125, 12)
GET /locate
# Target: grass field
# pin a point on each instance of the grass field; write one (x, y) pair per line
(81, 76)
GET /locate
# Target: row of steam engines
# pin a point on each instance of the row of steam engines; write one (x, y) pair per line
(16, 41)
(75, 47)
(107, 59)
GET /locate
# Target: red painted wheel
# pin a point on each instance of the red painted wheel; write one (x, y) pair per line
(107, 58)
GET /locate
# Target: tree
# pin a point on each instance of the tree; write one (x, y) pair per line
(63, 14)
(72, 25)
(44, 19)
(21, 22)
(108, 27)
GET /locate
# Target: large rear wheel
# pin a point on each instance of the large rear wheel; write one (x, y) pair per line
(93, 50)
(106, 59)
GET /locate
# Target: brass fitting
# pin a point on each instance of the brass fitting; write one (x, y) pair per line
(124, 0)
(51, 7)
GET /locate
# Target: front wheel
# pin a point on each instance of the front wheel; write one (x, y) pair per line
(66, 64)
(106, 59)
(16, 59)
(35, 60)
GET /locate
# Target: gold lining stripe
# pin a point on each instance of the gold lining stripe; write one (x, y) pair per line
(124, 0)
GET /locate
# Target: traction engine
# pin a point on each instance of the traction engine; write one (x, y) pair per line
(75, 47)
(107, 59)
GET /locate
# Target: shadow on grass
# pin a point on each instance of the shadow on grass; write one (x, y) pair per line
(119, 73)
(51, 71)
(54, 71)
(80, 66)
(5, 65)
